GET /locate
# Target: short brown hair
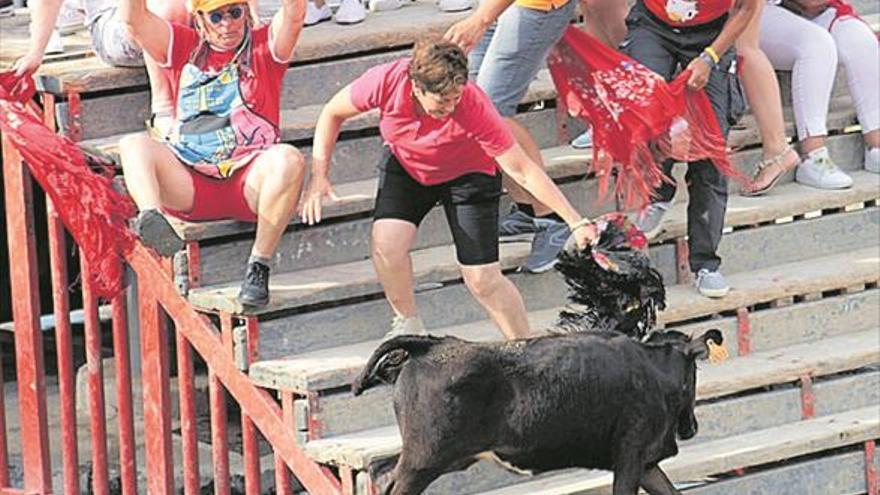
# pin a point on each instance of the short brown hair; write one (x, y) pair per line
(438, 66)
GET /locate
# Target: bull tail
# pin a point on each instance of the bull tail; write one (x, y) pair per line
(385, 363)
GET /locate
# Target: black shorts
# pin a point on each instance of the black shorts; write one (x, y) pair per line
(470, 203)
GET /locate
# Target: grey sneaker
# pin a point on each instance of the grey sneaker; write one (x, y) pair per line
(546, 245)
(516, 222)
(819, 171)
(412, 325)
(650, 220)
(156, 232)
(711, 283)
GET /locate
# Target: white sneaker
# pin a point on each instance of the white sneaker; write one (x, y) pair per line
(872, 160)
(454, 5)
(55, 44)
(819, 171)
(405, 326)
(382, 5)
(70, 20)
(315, 14)
(351, 12)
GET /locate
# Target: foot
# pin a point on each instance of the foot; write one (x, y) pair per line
(454, 5)
(768, 172)
(872, 160)
(254, 291)
(315, 14)
(650, 220)
(400, 325)
(516, 222)
(819, 171)
(156, 232)
(711, 283)
(350, 12)
(584, 141)
(548, 242)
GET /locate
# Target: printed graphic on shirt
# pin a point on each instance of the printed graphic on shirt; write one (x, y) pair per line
(681, 11)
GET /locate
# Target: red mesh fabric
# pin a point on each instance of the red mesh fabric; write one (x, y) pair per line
(638, 119)
(94, 213)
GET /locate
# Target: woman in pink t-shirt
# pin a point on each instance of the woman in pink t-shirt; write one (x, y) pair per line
(445, 142)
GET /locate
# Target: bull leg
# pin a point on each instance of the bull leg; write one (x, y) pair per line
(655, 482)
(627, 474)
(411, 481)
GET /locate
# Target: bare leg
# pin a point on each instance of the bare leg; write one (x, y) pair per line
(391, 243)
(762, 90)
(655, 482)
(812, 143)
(500, 297)
(272, 189)
(153, 176)
(872, 139)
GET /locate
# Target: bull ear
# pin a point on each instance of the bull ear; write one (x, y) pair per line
(702, 346)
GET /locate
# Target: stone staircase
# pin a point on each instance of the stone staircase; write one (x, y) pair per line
(789, 413)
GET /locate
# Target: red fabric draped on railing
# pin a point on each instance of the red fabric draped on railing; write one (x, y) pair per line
(638, 119)
(92, 211)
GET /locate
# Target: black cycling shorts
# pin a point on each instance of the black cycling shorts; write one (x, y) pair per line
(469, 201)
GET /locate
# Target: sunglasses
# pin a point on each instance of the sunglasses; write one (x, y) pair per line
(235, 12)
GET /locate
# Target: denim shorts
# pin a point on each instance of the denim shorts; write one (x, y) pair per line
(111, 41)
(514, 49)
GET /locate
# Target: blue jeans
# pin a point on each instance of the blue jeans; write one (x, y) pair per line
(514, 49)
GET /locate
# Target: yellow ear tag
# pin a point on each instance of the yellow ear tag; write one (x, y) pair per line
(717, 353)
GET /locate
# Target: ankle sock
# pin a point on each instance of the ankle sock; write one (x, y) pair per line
(264, 260)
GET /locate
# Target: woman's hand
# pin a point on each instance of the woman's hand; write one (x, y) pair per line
(700, 71)
(319, 188)
(28, 63)
(585, 234)
(466, 33)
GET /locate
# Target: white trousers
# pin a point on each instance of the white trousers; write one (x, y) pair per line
(811, 50)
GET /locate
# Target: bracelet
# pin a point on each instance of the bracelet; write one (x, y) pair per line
(712, 53)
(705, 57)
(583, 222)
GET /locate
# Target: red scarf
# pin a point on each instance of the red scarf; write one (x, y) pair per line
(632, 111)
(94, 213)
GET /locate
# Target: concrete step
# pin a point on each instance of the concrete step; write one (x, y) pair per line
(344, 234)
(444, 302)
(722, 456)
(338, 412)
(849, 352)
(336, 367)
(300, 288)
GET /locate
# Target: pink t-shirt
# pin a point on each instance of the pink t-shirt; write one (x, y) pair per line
(432, 151)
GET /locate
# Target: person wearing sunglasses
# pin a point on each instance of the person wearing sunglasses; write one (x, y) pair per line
(222, 158)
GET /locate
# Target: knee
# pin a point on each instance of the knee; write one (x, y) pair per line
(288, 166)
(136, 145)
(820, 46)
(483, 282)
(387, 252)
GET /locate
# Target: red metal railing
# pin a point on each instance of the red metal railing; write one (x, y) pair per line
(161, 309)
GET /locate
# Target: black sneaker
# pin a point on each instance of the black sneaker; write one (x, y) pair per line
(155, 232)
(254, 291)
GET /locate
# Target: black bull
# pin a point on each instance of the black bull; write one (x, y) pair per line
(593, 400)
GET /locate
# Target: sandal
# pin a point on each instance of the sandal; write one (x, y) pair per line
(765, 165)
